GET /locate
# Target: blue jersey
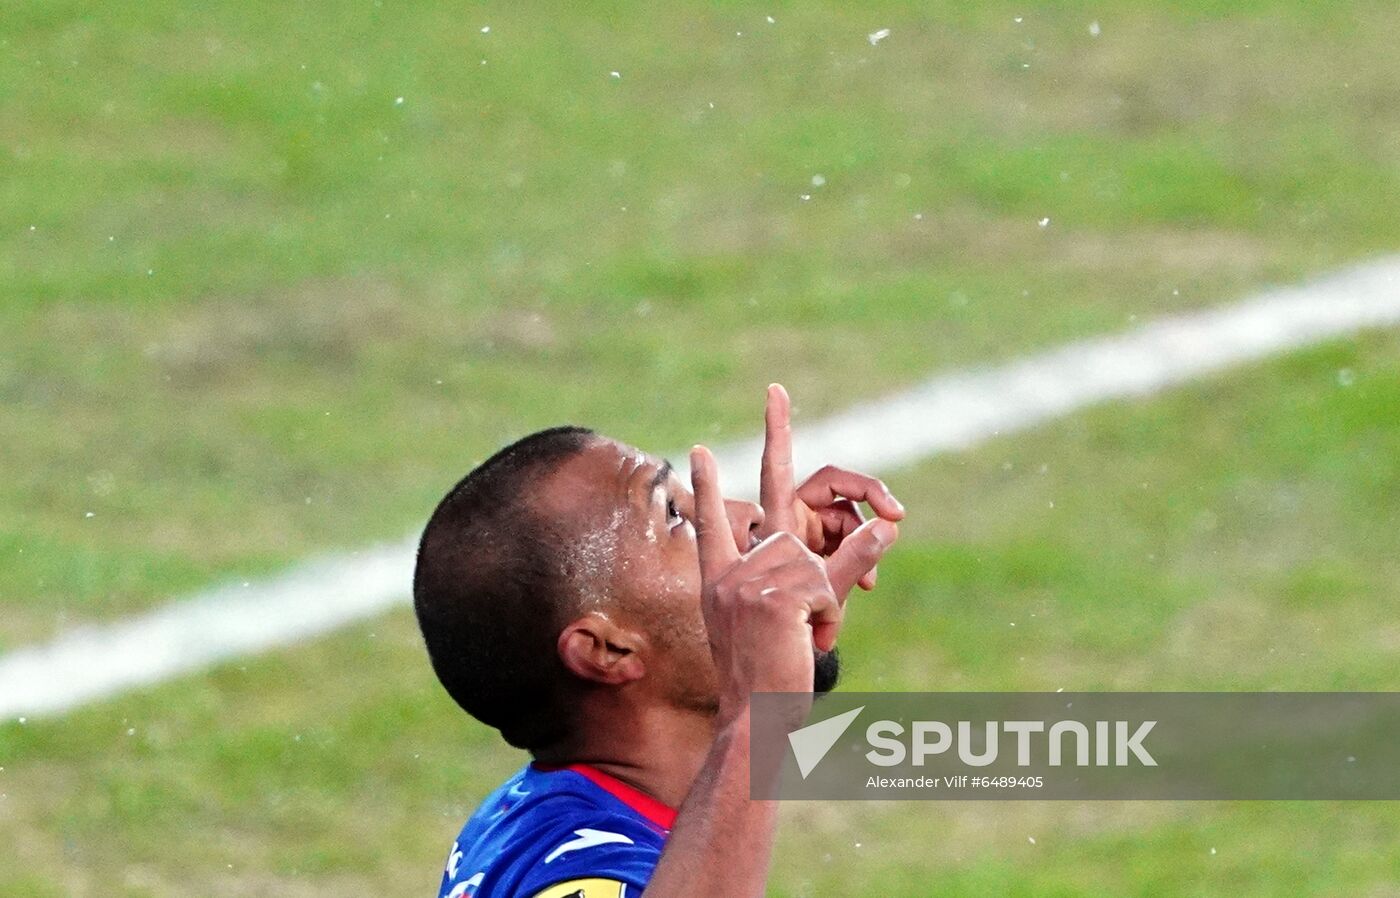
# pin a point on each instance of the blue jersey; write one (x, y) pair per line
(565, 832)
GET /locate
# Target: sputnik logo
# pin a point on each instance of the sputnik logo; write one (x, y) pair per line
(811, 743)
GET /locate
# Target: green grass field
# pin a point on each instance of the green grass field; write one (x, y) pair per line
(253, 307)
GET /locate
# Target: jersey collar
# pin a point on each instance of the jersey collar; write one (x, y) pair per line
(662, 815)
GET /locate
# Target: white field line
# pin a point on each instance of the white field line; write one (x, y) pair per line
(949, 412)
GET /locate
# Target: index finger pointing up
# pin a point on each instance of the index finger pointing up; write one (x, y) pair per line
(712, 533)
(776, 492)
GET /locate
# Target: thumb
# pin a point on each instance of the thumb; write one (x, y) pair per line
(859, 553)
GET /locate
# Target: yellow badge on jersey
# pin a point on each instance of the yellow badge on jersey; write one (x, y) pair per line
(585, 888)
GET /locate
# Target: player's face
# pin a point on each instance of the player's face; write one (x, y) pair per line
(652, 566)
(656, 580)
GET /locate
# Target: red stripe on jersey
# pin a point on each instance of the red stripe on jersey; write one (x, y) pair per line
(663, 815)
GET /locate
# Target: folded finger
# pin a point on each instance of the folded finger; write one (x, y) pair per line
(832, 483)
(839, 520)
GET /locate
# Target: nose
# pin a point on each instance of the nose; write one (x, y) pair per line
(744, 518)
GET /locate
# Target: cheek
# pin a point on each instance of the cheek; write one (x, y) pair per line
(671, 595)
(675, 590)
(680, 569)
(663, 573)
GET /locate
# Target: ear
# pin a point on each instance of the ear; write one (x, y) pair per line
(599, 650)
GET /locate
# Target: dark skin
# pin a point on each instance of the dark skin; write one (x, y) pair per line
(693, 603)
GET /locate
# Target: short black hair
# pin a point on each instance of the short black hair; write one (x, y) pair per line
(489, 590)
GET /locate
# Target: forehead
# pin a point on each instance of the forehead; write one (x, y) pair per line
(602, 474)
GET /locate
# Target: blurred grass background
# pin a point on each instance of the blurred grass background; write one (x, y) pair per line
(272, 276)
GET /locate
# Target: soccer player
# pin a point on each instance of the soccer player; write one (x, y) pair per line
(576, 596)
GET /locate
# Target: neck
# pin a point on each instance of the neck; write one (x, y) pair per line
(657, 749)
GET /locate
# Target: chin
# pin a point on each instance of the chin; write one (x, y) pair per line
(826, 671)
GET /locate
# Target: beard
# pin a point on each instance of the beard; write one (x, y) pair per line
(826, 671)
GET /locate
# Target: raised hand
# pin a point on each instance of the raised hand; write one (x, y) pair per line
(764, 609)
(823, 511)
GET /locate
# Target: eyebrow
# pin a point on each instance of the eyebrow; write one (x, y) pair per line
(663, 473)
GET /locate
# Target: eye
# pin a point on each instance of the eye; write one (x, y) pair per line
(672, 513)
